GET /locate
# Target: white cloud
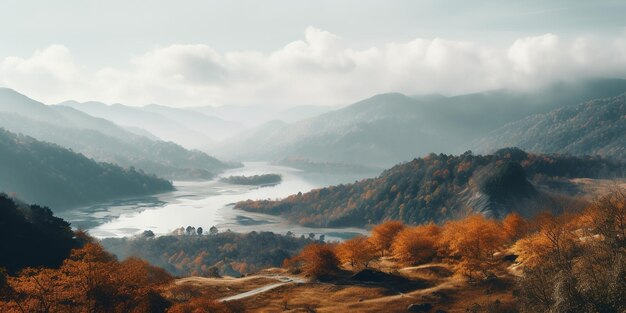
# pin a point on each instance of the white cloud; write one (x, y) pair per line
(319, 69)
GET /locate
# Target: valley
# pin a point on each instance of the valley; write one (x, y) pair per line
(206, 204)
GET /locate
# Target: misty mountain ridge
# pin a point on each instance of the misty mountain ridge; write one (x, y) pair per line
(594, 127)
(214, 127)
(390, 128)
(101, 139)
(256, 115)
(165, 128)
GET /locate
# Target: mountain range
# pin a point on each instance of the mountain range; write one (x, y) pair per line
(103, 140)
(252, 116)
(390, 128)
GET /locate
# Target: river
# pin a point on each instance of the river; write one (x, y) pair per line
(208, 203)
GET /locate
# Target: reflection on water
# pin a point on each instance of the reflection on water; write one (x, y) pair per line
(207, 203)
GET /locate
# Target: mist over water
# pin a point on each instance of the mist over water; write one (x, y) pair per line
(208, 203)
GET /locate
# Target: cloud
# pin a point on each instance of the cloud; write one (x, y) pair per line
(49, 73)
(319, 69)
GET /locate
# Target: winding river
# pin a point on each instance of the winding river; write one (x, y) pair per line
(208, 203)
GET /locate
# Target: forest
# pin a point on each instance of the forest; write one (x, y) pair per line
(572, 262)
(440, 187)
(40, 172)
(224, 253)
(595, 127)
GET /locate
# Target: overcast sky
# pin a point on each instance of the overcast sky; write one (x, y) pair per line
(286, 53)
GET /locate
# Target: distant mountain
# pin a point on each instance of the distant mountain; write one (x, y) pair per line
(211, 126)
(252, 116)
(163, 126)
(45, 173)
(595, 127)
(442, 187)
(301, 112)
(390, 128)
(102, 140)
(376, 131)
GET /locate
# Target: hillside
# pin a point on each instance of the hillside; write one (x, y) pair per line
(442, 187)
(45, 173)
(188, 128)
(377, 130)
(595, 127)
(31, 236)
(225, 253)
(390, 128)
(102, 140)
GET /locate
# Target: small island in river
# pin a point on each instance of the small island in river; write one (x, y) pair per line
(258, 180)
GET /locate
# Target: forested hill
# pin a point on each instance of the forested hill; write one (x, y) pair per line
(30, 236)
(103, 140)
(593, 127)
(45, 173)
(441, 187)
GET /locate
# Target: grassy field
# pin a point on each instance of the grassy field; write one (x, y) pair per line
(433, 283)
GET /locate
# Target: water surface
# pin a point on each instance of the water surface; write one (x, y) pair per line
(208, 203)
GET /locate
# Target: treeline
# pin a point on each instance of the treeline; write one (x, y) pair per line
(45, 173)
(226, 253)
(574, 262)
(264, 179)
(437, 188)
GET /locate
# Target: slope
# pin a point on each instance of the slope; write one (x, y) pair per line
(101, 139)
(162, 126)
(593, 127)
(390, 128)
(442, 187)
(45, 173)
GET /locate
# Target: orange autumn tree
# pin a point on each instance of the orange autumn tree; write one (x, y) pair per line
(317, 260)
(384, 234)
(607, 217)
(514, 226)
(90, 280)
(554, 242)
(474, 240)
(416, 245)
(358, 252)
(576, 262)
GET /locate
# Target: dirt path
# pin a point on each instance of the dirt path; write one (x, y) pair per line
(283, 281)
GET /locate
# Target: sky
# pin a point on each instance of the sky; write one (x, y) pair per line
(288, 53)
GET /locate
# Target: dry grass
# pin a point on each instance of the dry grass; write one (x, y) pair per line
(447, 291)
(592, 188)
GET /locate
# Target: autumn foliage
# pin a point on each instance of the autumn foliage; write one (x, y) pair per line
(90, 280)
(474, 240)
(316, 260)
(416, 245)
(384, 234)
(357, 252)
